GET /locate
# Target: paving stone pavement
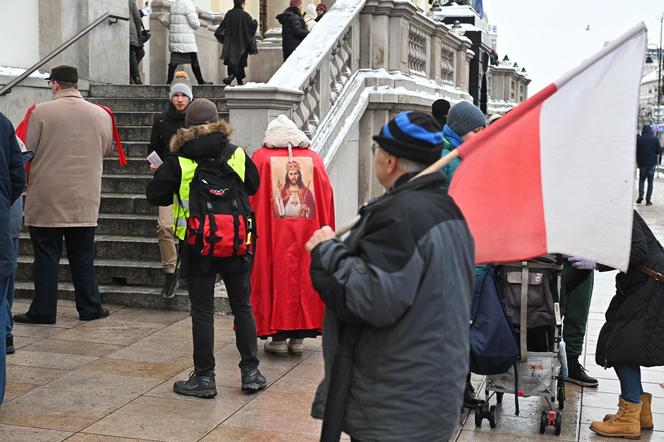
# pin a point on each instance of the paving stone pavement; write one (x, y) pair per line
(110, 381)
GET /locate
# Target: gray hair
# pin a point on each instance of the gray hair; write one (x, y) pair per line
(410, 166)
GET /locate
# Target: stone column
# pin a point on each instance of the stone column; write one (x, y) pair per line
(252, 108)
(107, 50)
(274, 8)
(103, 55)
(159, 55)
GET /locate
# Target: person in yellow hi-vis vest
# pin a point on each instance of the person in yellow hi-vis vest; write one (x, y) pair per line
(203, 139)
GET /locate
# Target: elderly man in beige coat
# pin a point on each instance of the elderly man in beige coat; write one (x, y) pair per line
(69, 138)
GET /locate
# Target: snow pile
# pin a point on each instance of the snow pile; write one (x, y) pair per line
(15, 72)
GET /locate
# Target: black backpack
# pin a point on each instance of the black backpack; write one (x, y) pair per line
(221, 221)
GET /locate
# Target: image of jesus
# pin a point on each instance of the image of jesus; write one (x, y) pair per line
(295, 200)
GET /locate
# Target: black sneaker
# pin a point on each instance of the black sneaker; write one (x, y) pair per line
(170, 284)
(228, 80)
(639, 200)
(469, 398)
(253, 381)
(577, 374)
(10, 345)
(648, 203)
(198, 385)
(24, 318)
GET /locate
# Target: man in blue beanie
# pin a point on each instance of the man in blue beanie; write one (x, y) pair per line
(464, 121)
(395, 340)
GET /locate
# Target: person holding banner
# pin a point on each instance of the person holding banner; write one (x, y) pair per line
(398, 292)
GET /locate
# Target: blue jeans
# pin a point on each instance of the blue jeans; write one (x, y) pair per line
(4, 286)
(630, 382)
(647, 172)
(9, 300)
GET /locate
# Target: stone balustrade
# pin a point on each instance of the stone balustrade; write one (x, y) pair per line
(364, 61)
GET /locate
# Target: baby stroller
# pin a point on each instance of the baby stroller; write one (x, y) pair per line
(531, 293)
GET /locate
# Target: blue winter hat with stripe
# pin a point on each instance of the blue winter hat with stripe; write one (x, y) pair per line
(412, 135)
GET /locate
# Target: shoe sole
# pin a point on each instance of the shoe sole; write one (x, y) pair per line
(276, 352)
(253, 388)
(296, 351)
(204, 394)
(581, 383)
(624, 436)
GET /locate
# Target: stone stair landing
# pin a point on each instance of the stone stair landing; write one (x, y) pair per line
(127, 264)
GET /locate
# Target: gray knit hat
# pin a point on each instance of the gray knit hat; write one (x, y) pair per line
(182, 86)
(201, 111)
(464, 117)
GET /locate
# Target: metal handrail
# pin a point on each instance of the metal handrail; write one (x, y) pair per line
(112, 18)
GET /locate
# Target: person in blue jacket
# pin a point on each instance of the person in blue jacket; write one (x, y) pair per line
(647, 151)
(12, 182)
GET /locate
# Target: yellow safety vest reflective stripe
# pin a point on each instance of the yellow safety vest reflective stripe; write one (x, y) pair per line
(188, 167)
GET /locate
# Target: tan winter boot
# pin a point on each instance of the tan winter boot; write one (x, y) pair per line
(625, 423)
(646, 413)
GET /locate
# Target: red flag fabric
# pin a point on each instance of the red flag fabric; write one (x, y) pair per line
(288, 211)
(556, 174)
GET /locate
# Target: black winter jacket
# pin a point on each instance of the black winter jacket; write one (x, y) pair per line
(12, 183)
(198, 142)
(403, 280)
(239, 37)
(634, 330)
(293, 30)
(647, 148)
(165, 125)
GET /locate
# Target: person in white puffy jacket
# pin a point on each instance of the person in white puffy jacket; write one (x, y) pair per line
(182, 23)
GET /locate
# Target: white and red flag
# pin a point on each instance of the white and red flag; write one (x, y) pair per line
(556, 174)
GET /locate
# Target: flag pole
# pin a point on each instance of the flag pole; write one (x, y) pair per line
(440, 163)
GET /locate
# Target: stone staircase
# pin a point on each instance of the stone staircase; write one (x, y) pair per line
(128, 267)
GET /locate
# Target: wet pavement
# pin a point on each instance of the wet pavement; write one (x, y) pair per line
(111, 379)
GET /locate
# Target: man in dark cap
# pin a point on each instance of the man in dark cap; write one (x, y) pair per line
(398, 291)
(69, 138)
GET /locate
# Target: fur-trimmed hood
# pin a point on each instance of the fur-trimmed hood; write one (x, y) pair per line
(205, 140)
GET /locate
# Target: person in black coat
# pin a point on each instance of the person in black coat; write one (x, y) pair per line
(633, 335)
(293, 27)
(165, 125)
(647, 151)
(239, 40)
(205, 137)
(12, 183)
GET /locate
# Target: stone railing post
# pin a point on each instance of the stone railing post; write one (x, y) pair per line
(254, 107)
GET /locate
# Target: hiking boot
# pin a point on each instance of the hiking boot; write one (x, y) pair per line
(295, 346)
(199, 385)
(253, 381)
(10, 345)
(639, 200)
(170, 284)
(645, 417)
(276, 347)
(469, 398)
(625, 423)
(577, 374)
(103, 313)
